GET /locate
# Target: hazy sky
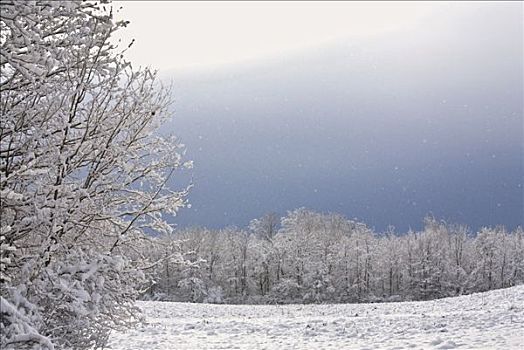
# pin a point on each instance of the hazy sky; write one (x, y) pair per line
(178, 35)
(383, 112)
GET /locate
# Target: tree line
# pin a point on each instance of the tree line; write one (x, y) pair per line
(310, 257)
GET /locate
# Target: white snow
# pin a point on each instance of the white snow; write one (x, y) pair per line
(491, 320)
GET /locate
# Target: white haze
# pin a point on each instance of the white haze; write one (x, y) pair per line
(184, 35)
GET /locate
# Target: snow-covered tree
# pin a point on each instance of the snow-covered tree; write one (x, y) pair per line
(265, 227)
(82, 174)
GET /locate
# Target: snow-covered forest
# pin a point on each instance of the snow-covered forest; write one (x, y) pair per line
(87, 223)
(324, 258)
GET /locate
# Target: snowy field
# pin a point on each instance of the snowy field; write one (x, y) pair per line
(492, 320)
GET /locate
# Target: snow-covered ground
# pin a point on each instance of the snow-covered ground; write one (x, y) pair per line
(492, 320)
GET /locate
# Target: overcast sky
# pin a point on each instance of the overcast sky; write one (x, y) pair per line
(380, 111)
(180, 35)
